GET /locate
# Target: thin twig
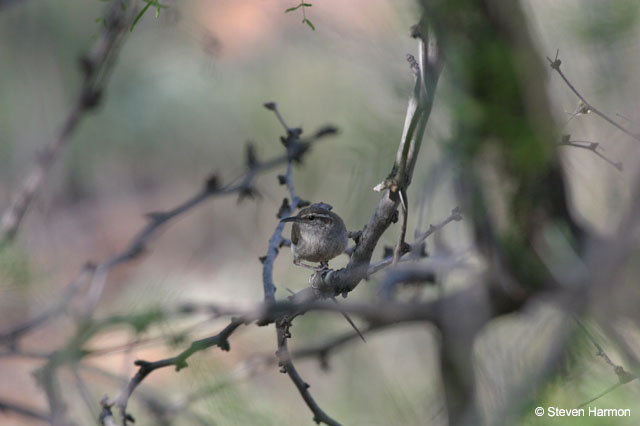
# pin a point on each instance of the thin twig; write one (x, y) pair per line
(286, 363)
(623, 375)
(593, 147)
(179, 361)
(416, 246)
(157, 220)
(6, 406)
(555, 65)
(601, 394)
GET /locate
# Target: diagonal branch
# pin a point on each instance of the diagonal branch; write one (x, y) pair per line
(587, 107)
(179, 361)
(136, 247)
(6, 406)
(97, 66)
(593, 147)
(426, 72)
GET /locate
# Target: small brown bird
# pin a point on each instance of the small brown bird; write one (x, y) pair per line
(317, 235)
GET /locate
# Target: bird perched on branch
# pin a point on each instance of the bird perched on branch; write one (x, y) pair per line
(317, 235)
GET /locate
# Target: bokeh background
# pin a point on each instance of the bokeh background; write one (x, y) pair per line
(185, 97)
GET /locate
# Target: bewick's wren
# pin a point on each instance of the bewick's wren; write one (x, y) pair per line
(317, 235)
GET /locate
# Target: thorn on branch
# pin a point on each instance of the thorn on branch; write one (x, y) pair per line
(224, 345)
(414, 31)
(326, 131)
(247, 192)
(212, 183)
(284, 243)
(296, 149)
(555, 64)
(355, 236)
(252, 160)
(323, 357)
(303, 203)
(623, 375)
(91, 98)
(270, 106)
(142, 364)
(284, 210)
(262, 259)
(86, 65)
(394, 216)
(155, 216)
(456, 214)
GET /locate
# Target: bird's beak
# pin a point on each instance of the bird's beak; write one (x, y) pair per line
(289, 219)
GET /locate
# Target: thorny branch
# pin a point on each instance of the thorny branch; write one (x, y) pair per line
(97, 65)
(586, 105)
(212, 187)
(243, 185)
(179, 361)
(283, 324)
(426, 71)
(593, 147)
(624, 376)
(416, 248)
(465, 311)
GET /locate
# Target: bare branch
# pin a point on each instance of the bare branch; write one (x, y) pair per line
(97, 66)
(179, 361)
(282, 325)
(331, 283)
(593, 147)
(286, 363)
(624, 376)
(23, 411)
(588, 107)
(416, 246)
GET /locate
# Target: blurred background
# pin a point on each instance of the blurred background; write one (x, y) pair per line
(185, 97)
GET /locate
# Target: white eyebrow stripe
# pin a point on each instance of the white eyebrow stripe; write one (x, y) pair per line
(318, 215)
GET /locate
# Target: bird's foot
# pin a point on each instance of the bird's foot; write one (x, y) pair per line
(322, 267)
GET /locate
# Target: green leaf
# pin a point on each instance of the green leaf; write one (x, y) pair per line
(142, 12)
(308, 22)
(306, 4)
(291, 9)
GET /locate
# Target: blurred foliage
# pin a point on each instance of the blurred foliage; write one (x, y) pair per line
(15, 271)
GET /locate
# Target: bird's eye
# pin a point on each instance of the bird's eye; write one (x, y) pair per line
(311, 217)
